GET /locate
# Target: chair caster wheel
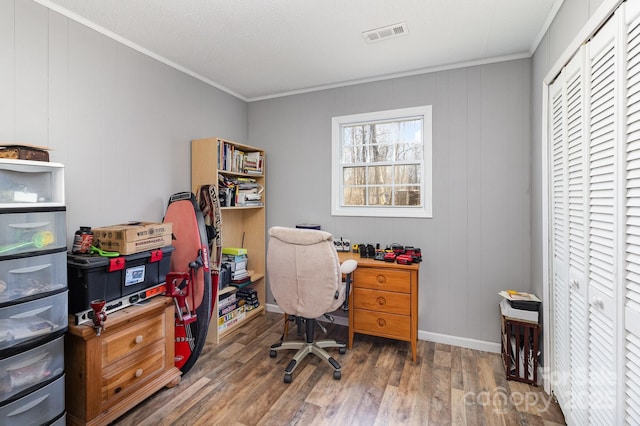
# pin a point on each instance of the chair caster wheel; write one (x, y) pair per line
(342, 351)
(287, 378)
(337, 375)
(272, 353)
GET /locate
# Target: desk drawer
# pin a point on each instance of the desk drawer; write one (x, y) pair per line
(141, 334)
(382, 324)
(383, 279)
(124, 376)
(382, 301)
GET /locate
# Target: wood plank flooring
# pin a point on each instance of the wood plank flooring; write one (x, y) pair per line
(236, 383)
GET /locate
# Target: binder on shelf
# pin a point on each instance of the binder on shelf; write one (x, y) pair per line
(236, 251)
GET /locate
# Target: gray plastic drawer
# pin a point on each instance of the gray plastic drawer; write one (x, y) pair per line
(62, 421)
(37, 408)
(25, 321)
(27, 231)
(30, 183)
(29, 276)
(30, 368)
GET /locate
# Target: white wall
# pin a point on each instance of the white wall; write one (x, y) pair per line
(120, 121)
(478, 241)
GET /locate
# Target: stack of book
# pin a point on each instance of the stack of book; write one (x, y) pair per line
(253, 163)
(520, 305)
(236, 261)
(233, 159)
(230, 311)
(227, 304)
(250, 298)
(230, 158)
(248, 192)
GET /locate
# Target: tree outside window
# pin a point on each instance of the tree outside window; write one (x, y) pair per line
(382, 163)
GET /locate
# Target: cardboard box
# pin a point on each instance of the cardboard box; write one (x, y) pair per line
(124, 247)
(132, 231)
(24, 152)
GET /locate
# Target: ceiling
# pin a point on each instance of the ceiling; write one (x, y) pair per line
(258, 49)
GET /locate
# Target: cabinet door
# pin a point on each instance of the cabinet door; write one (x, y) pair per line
(603, 80)
(632, 219)
(559, 250)
(574, 82)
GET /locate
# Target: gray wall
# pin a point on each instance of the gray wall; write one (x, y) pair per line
(478, 241)
(120, 121)
(571, 17)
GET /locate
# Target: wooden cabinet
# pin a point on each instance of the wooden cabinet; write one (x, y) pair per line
(131, 359)
(520, 349)
(242, 225)
(384, 300)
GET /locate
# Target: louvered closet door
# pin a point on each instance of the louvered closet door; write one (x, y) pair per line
(574, 82)
(602, 236)
(559, 227)
(632, 223)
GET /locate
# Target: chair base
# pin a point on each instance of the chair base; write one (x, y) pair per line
(309, 347)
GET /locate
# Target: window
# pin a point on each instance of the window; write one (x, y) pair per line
(381, 164)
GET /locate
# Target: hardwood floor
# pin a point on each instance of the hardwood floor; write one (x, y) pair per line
(236, 383)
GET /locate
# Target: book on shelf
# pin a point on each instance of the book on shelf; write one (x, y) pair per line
(248, 193)
(236, 251)
(226, 300)
(227, 257)
(240, 275)
(241, 283)
(235, 263)
(232, 158)
(231, 318)
(228, 308)
(253, 163)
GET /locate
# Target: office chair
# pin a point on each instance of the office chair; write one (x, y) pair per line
(305, 276)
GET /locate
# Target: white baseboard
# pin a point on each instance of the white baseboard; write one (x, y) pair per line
(464, 342)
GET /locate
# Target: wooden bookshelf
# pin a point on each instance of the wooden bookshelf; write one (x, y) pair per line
(242, 226)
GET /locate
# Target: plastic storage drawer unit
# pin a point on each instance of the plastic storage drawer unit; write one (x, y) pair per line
(24, 183)
(27, 370)
(37, 408)
(25, 277)
(23, 322)
(32, 230)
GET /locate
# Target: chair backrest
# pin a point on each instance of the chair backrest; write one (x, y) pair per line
(304, 271)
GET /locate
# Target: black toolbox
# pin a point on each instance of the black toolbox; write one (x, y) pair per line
(92, 277)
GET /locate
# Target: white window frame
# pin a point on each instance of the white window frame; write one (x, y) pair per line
(337, 184)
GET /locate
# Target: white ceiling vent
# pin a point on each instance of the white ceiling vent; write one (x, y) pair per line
(389, 31)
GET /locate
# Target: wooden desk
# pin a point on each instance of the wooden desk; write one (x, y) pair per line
(133, 357)
(384, 300)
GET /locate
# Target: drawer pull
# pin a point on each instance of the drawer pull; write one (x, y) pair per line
(381, 322)
(381, 279)
(381, 301)
(139, 372)
(118, 389)
(139, 339)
